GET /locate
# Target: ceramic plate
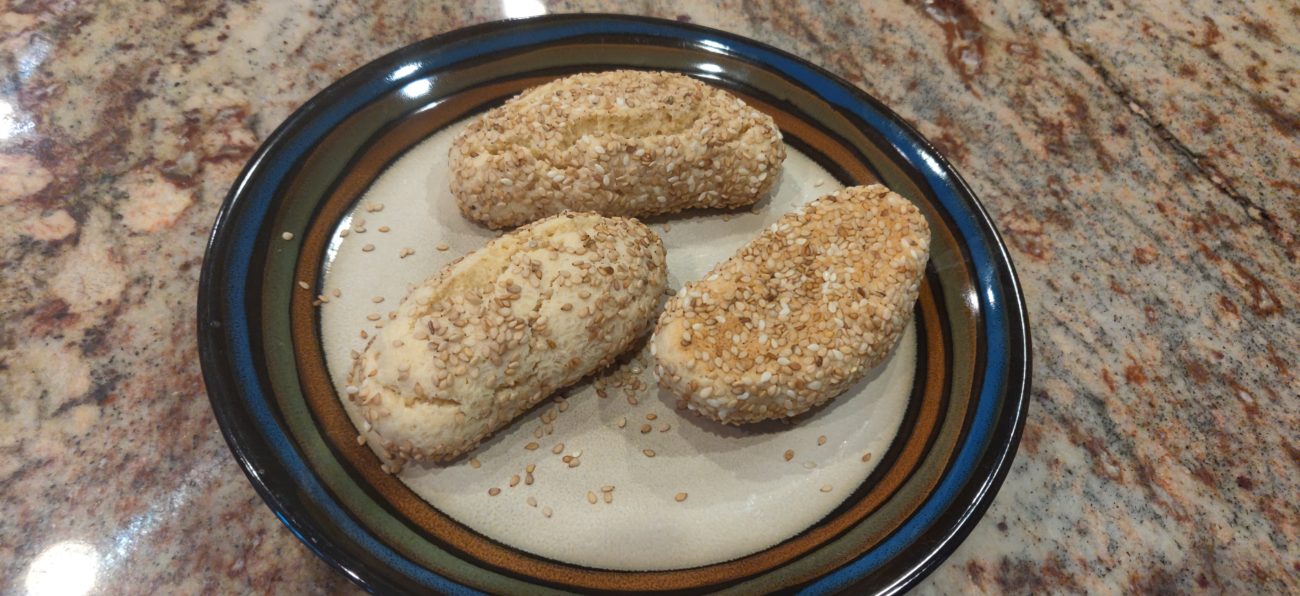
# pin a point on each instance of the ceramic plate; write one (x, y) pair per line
(870, 492)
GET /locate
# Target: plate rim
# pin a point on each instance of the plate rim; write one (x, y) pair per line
(991, 468)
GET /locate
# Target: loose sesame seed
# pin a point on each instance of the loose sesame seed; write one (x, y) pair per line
(558, 448)
(303, 285)
(789, 454)
(645, 428)
(474, 463)
(826, 488)
(651, 416)
(531, 446)
(546, 511)
(532, 501)
(665, 427)
(377, 299)
(622, 422)
(609, 497)
(679, 497)
(442, 247)
(821, 440)
(866, 457)
(648, 452)
(287, 235)
(384, 229)
(591, 497)
(530, 468)
(514, 480)
(494, 491)
(368, 248)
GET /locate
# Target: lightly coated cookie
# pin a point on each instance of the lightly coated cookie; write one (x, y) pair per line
(500, 329)
(622, 142)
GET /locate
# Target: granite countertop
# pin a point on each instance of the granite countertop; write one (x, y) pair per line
(1142, 161)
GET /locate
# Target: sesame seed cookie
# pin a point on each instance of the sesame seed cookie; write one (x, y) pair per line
(500, 329)
(800, 313)
(623, 142)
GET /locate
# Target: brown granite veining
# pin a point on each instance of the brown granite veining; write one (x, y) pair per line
(1139, 158)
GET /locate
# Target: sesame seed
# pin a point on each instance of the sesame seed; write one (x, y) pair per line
(287, 235)
(384, 229)
(514, 480)
(303, 285)
(648, 452)
(474, 463)
(789, 454)
(532, 501)
(609, 497)
(377, 299)
(558, 448)
(442, 247)
(494, 491)
(665, 427)
(368, 248)
(591, 497)
(679, 497)
(530, 468)
(531, 446)
(826, 488)
(645, 428)
(821, 440)
(622, 422)
(546, 511)
(337, 293)
(866, 457)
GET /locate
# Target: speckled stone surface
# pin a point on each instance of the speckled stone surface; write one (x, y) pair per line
(1142, 161)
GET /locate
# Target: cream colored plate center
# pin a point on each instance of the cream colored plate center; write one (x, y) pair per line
(742, 496)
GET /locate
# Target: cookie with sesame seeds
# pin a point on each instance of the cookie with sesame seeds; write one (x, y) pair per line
(622, 142)
(800, 313)
(499, 330)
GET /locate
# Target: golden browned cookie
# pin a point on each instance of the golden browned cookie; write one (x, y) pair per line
(800, 313)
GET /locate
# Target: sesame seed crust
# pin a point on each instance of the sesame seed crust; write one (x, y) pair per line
(622, 142)
(800, 313)
(476, 345)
